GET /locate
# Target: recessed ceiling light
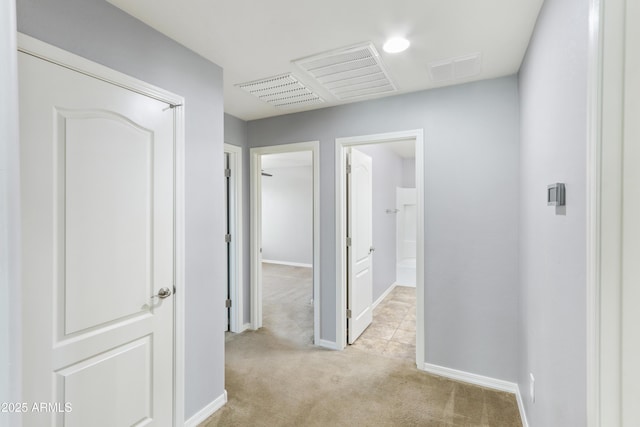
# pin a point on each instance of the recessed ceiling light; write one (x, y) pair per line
(396, 44)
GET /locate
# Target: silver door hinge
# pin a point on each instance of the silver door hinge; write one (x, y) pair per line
(348, 168)
(227, 238)
(227, 172)
(348, 314)
(348, 241)
(227, 303)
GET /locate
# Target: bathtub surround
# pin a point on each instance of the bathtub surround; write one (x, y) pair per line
(406, 229)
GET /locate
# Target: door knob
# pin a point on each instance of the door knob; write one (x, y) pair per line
(163, 293)
(371, 249)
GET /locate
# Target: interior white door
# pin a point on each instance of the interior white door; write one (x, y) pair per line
(97, 250)
(359, 253)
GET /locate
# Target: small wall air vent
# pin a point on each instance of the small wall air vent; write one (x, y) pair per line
(282, 91)
(350, 72)
(460, 67)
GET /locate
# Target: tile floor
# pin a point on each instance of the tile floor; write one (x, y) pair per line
(393, 330)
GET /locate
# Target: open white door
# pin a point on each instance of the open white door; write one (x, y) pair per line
(97, 171)
(360, 249)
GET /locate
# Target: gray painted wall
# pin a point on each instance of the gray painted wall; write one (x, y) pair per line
(471, 249)
(553, 89)
(9, 216)
(387, 176)
(409, 173)
(98, 31)
(235, 133)
(287, 214)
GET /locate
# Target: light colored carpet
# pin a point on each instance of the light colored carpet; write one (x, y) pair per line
(275, 378)
(287, 310)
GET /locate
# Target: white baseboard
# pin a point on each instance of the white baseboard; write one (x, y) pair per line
(327, 344)
(480, 380)
(242, 328)
(405, 286)
(523, 413)
(292, 264)
(468, 377)
(207, 411)
(384, 295)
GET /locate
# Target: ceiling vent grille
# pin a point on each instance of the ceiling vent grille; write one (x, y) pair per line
(351, 72)
(461, 67)
(283, 91)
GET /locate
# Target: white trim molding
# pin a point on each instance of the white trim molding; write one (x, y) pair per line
(342, 144)
(605, 208)
(480, 380)
(207, 411)
(470, 378)
(331, 345)
(523, 412)
(289, 263)
(10, 220)
(39, 49)
(255, 155)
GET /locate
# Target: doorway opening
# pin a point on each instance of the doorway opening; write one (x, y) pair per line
(356, 245)
(285, 294)
(233, 237)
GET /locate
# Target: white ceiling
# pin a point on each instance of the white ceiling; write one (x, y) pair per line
(405, 149)
(253, 39)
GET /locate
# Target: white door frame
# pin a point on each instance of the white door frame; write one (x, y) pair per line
(341, 231)
(256, 228)
(10, 303)
(235, 224)
(37, 48)
(612, 343)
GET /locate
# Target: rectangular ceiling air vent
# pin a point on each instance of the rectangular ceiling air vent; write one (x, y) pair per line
(283, 91)
(350, 72)
(461, 67)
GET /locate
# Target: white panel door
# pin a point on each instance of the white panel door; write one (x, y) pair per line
(97, 246)
(359, 253)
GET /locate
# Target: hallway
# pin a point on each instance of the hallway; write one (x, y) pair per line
(274, 376)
